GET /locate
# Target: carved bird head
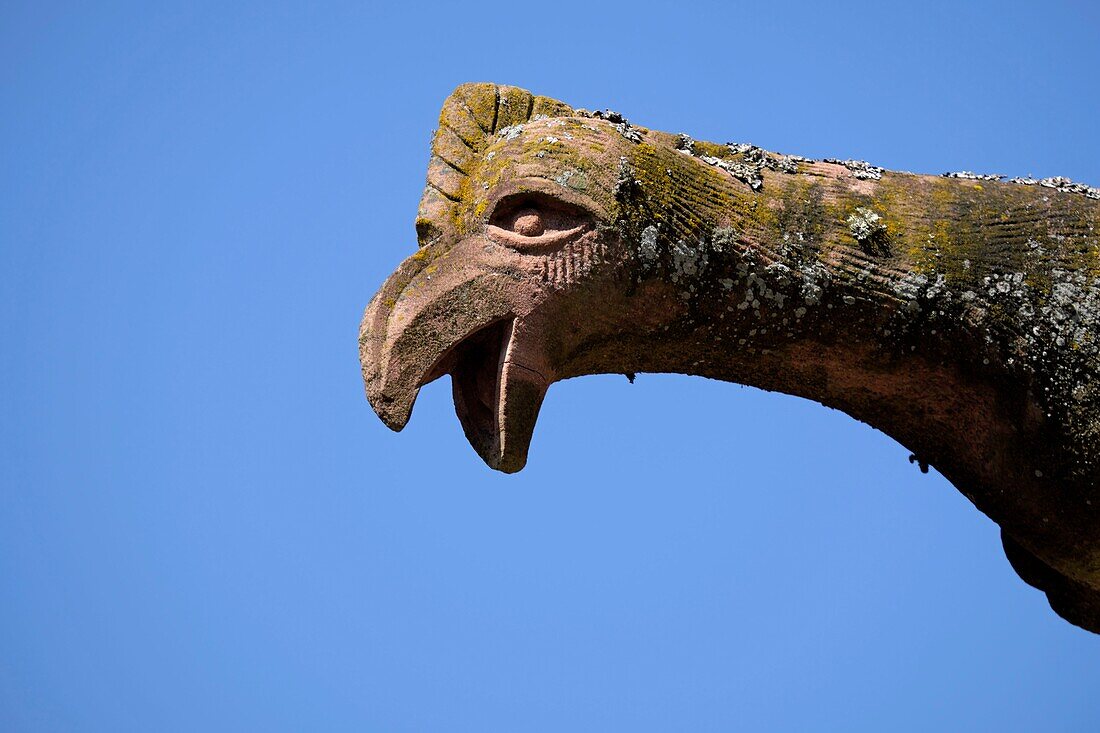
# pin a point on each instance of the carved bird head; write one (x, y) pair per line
(521, 267)
(956, 313)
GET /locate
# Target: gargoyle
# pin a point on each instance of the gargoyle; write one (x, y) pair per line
(956, 313)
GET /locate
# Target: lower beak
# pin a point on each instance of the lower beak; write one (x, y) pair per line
(497, 397)
(415, 331)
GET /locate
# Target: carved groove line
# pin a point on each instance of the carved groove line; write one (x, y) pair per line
(572, 263)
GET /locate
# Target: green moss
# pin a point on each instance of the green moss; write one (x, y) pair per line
(481, 100)
(702, 147)
(888, 202)
(550, 108)
(682, 195)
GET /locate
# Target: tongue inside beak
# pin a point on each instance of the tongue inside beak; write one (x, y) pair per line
(497, 397)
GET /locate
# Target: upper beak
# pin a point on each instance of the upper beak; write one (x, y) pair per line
(452, 318)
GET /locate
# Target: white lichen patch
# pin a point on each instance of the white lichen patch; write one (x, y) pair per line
(576, 180)
(865, 224)
(626, 183)
(759, 158)
(647, 248)
(970, 176)
(724, 239)
(753, 161)
(620, 123)
(511, 132)
(745, 173)
(860, 168)
(1060, 183)
(685, 144)
(688, 260)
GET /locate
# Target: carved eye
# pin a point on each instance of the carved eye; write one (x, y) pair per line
(535, 220)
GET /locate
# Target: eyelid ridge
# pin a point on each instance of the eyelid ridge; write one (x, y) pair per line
(542, 189)
(544, 240)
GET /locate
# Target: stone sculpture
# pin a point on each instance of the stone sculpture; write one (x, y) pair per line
(956, 313)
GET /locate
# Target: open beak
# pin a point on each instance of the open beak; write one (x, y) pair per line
(417, 329)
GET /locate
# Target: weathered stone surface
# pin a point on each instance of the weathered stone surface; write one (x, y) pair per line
(958, 314)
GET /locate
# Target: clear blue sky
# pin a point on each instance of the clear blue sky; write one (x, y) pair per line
(203, 527)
